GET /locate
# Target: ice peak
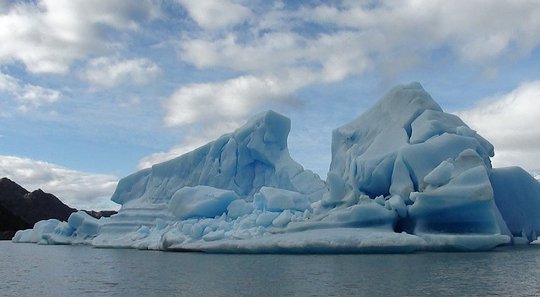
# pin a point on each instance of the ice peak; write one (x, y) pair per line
(408, 101)
(365, 150)
(269, 127)
(401, 105)
(385, 126)
(253, 156)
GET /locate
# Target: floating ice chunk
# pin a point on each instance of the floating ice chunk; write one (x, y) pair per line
(35, 234)
(80, 228)
(200, 201)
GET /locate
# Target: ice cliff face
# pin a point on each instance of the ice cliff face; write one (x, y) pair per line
(253, 156)
(404, 176)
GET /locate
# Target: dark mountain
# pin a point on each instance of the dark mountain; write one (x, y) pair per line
(10, 223)
(101, 214)
(30, 207)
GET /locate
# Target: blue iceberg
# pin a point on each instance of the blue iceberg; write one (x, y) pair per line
(404, 176)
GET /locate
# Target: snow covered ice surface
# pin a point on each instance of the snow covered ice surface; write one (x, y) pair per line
(404, 176)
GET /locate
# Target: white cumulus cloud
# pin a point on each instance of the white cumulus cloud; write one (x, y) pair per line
(230, 100)
(48, 35)
(216, 14)
(27, 95)
(77, 189)
(511, 122)
(110, 72)
(385, 36)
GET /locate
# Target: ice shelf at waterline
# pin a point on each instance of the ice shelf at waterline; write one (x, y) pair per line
(404, 176)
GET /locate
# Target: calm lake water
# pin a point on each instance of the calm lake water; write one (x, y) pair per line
(33, 270)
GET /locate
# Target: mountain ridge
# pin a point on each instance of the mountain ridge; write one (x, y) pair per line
(21, 209)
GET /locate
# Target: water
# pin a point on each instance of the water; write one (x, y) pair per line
(33, 270)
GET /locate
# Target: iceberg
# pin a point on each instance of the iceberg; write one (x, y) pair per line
(404, 176)
(80, 228)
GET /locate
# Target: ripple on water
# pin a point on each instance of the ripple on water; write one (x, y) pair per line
(33, 270)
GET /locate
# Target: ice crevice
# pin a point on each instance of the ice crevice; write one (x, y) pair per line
(404, 176)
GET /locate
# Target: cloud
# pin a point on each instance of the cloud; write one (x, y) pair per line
(109, 72)
(27, 95)
(4, 5)
(216, 14)
(353, 37)
(230, 100)
(431, 24)
(511, 122)
(77, 189)
(48, 35)
(329, 57)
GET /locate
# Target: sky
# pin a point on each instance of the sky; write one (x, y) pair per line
(92, 91)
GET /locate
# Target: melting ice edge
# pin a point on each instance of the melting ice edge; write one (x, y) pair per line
(404, 176)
